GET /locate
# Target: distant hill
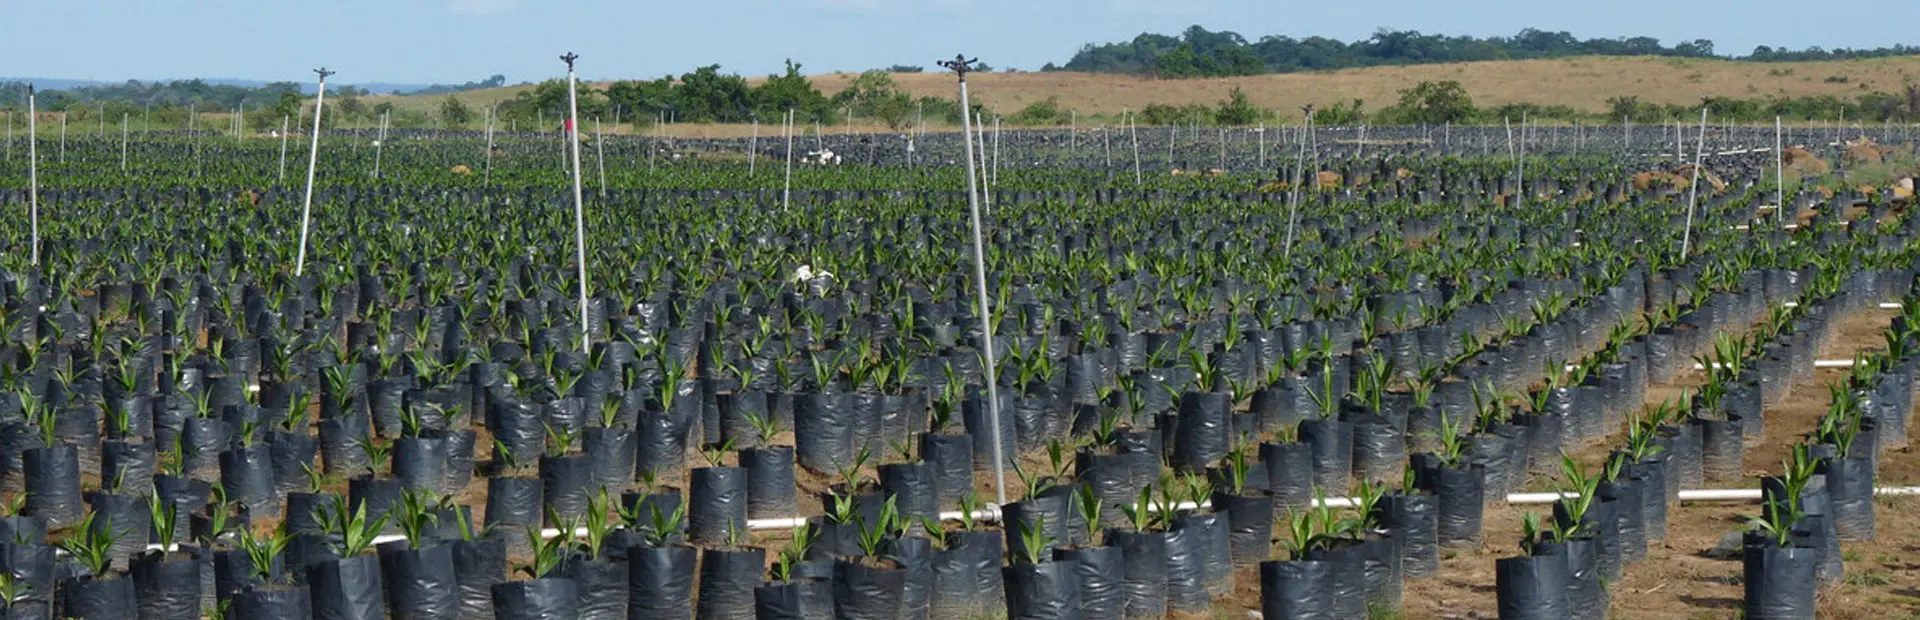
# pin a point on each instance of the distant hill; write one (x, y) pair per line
(307, 86)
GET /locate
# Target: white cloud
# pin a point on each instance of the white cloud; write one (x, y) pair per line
(482, 7)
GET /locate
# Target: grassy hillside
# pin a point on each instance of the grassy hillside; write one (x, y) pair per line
(1583, 83)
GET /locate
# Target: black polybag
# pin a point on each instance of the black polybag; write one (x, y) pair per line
(1531, 587)
(717, 505)
(52, 482)
(1459, 497)
(477, 566)
(420, 583)
(867, 592)
(168, 586)
(1203, 431)
(800, 599)
(274, 603)
(727, 580)
(601, 583)
(770, 481)
(91, 598)
(1296, 590)
(954, 593)
(1185, 570)
(1850, 497)
(1413, 519)
(915, 556)
(1043, 591)
(548, 598)
(660, 582)
(1332, 442)
(1143, 575)
(1098, 572)
(343, 589)
(1778, 582)
(1250, 521)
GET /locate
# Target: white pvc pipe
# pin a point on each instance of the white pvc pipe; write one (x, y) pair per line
(572, 135)
(313, 159)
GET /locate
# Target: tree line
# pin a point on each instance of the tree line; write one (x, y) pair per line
(707, 95)
(1198, 52)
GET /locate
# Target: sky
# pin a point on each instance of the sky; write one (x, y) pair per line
(452, 41)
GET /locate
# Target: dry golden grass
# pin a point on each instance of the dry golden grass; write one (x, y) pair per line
(1584, 83)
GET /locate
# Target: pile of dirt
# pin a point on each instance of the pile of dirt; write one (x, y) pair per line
(1803, 161)
(462, 170)
(1329, 179)
(1679, 178)
(1865, 151)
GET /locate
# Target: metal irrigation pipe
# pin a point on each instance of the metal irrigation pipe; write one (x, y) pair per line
(960, 66)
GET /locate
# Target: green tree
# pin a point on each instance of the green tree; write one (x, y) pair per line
(1434, 103)
(1043, 112)
(350, 107)
(706, 96)
(789, 91)
(1236, 109)
(453, 113)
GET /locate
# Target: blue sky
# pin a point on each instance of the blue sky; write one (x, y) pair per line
(421, 41)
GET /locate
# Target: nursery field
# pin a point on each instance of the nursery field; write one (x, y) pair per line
(1457, 373)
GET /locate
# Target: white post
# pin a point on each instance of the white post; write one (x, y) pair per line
(63, 137)
(33, 172)
(1134, 129)
(753, 147)
(1261, 134)
(600, 156)
(1223, 148)
(1073, 130)
(1693, 189)
(283, 147)
(1299, 179)
(571, 133)
(124, 117)
(994, 181)
(306, 208)
(488, 180)
(986, 169)
(379, 145)
(1522, 160)
(960, 67)
(786, 187)
(1106, 150)
(1780, 173)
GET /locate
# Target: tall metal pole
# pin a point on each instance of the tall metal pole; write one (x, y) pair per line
(786, 186)
(753, 148)
(1299, 179)
(1693, 189)
(313, 159)
(283, 147)
(1261, 134)
(960, 66)
(124, 118)
(492, 112)
(1133, 128)
(1779, 173)
(579, 211)
(600, 156)
(33, 172)
(1521, 170)
(379, 145)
